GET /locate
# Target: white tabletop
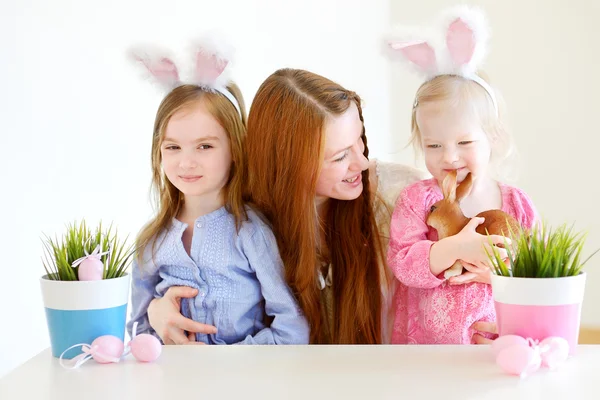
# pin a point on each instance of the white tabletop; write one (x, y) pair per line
(304, 372)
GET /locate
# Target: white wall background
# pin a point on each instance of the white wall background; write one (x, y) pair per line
(77, 120)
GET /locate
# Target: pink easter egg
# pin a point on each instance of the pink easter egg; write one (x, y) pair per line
(110, 349)
(145, 347)
(91, 269)
(502, 342)
(556, 353)
(518, 360)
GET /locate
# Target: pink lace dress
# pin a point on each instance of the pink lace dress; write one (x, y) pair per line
(427, 309)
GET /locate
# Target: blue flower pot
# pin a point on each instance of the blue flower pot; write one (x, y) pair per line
(78, 312)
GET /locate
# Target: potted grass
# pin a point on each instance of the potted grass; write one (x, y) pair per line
(539, 289)
(86, 286)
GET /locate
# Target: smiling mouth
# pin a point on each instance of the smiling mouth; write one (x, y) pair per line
(351, 180)
(192, 178)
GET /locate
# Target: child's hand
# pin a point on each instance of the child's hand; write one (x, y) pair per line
(472, 246)
(473, 274)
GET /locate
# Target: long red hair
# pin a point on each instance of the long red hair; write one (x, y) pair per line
(284, 145)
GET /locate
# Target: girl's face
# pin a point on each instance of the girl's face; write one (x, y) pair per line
(343, 163)
(196, 154)
(452, 139)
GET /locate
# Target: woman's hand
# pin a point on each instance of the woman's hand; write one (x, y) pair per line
(484, 329)
(165, 317)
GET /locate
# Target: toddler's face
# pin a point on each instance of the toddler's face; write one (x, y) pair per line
(452, 139)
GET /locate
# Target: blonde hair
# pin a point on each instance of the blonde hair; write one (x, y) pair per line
(459, 92)
(168, 199)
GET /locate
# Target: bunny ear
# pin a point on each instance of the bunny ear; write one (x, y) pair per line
(158, 65)
(460, 42)
(413, 45)
(464, 188)
(454, 45)
(208, 68)
(421, 54)
(449, 186)
(212, 54)
(466, 37)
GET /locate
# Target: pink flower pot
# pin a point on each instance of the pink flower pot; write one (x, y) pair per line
(539, 307)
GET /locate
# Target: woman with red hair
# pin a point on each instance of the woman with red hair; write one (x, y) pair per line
(309, 174)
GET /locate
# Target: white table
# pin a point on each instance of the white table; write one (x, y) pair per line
(305, 372)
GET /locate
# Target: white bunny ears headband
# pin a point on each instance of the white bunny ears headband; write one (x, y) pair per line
(456, 46)
(209, 67)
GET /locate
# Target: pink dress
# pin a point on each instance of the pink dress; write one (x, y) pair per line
(429, 311)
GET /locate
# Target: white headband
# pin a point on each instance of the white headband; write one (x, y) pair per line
(209, 70)
(455, 46)
(488, 89)
(223, 90)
